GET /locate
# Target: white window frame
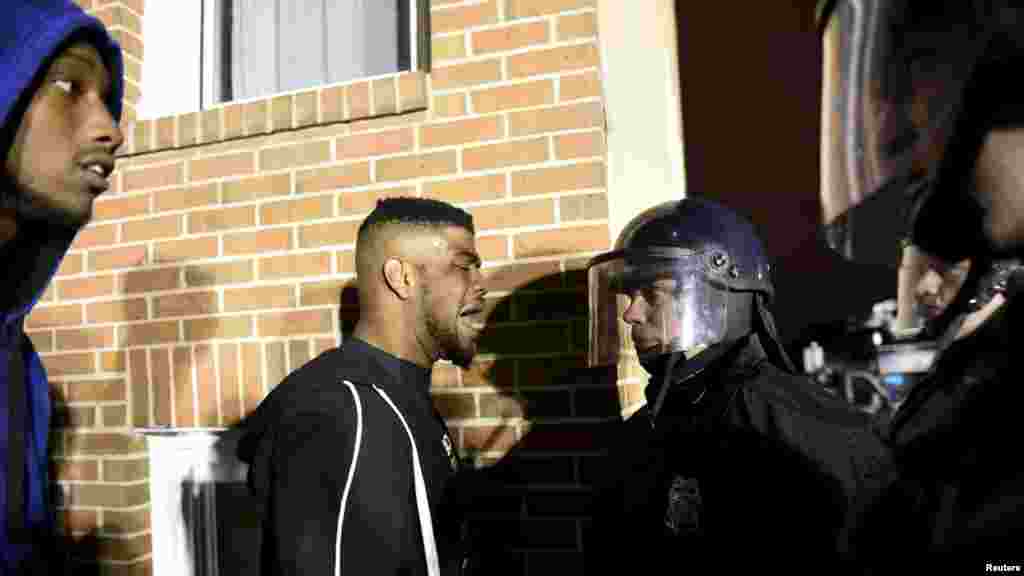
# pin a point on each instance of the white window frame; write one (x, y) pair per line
(178, 76)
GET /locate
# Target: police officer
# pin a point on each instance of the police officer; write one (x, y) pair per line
(734, 458)
(921, 137)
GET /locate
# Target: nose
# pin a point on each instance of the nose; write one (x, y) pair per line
(635, 312)
(103, 130)
(928, 286)
(479, 283)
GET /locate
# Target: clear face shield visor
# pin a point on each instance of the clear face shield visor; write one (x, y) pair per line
(892, 76)
(647, 306)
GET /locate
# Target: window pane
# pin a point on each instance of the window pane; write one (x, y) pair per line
(254, 46)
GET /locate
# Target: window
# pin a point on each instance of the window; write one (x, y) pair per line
(200, 53)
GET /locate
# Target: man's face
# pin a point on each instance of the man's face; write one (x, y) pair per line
(63, 150)
(938, 281)
(651, 315)
(452, 296)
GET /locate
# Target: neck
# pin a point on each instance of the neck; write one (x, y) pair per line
(8, 226)
(388, 333)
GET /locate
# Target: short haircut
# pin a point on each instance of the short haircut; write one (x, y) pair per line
(415, 212)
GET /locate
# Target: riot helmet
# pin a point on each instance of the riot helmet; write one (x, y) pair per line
(910, 90)
(684, 276)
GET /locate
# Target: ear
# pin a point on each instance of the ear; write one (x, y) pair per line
(399, 278)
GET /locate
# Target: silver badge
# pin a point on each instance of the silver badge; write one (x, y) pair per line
(447, 442)
(682, 516)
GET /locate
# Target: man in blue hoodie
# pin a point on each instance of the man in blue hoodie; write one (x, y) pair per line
(60, 103)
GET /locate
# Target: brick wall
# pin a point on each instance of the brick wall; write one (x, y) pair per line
(215, 266)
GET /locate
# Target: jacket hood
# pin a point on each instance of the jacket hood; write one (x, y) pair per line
(34, 32)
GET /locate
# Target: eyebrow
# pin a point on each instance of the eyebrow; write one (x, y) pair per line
(91, 63)
(473, 256)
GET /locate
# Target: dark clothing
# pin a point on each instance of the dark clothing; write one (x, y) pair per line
(32, 32)
(746, 465)
(955, 492)
(299, 443)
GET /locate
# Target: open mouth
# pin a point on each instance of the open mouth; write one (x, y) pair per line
(473, 317)
(96, 183)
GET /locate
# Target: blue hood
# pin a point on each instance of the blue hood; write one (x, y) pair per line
(31, 34)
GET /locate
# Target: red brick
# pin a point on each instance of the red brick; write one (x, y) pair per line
(206, 385)
(185, 304)
(154, 177)
(114, 258)
(553, 60)
(110, 207)
(114, 416)
(332, 107)
(530, 8)
(467, 189)
(385, 98)
(448, 105)
(581, 145)
(300, 210)
(112, 361)
(505, 154)
(572, 26)
(70, 364)
(221, 219)
(328, 233)
(323, 293)
(43, 316)
(94, 235)
(257, 187)
(136, 281)
(261, 297)
(295, 322)
(84, 338)
(257, 242)
(412, 91)
(71, 264)
(89, 287)
(462, 17)
(563, 241)
(121, 470)
(513, 215)
(332, 177)
(416, 166)
(151, 228)
(231, 405)
(184, 250)
(487, 438)
(147, 334)
(560, 179)
(184, 399)
(492, 247)
(462, 131)
(117, 311)
(571, 117)
(358, 100)
(510, 37)
(447, 47)
(221, 166)
(374, 144)
(215, 274)
(140, 387)
(362, 202)
(586, 207)
(465, 75)
(574, 87)
(295, 155)
(85, 470)
(219, 327)
(42, 341)
(252, 376)
(96, 391)
(185, 198)
(524, 95)
(160, 362)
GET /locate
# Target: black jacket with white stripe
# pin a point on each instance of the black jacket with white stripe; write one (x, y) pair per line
(319, 515)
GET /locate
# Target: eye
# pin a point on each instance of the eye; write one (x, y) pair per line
(68, 86)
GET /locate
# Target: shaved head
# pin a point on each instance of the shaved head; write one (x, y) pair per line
(419, 281)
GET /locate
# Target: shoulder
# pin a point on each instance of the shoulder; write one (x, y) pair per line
(797, 396)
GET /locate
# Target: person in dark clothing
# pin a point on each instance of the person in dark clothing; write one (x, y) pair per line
(354, 465)
(734, 460)
(922, 139)
(60, 102)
